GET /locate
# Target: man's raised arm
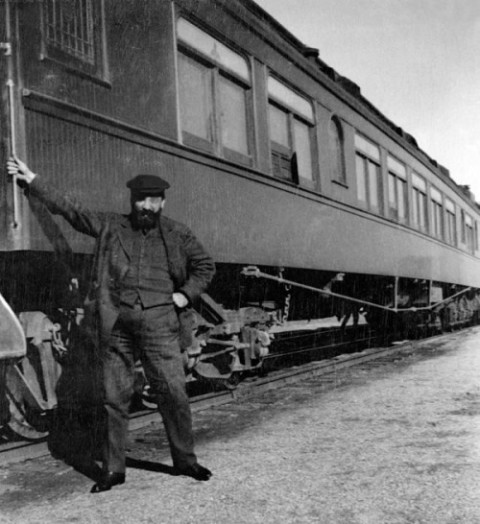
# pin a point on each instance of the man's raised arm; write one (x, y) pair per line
(82, 219)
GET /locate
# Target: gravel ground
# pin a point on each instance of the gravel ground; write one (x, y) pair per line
(385, 443)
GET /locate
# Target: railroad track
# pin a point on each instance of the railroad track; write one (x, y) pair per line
(17, 451)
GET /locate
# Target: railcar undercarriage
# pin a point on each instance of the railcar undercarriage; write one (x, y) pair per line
(50, 361)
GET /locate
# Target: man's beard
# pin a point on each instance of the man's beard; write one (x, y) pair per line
(144, 219)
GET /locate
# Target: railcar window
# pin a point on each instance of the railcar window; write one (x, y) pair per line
(451, 223)
(279, 132)
(419, 202)
(437, 213)
(291, 119)
(397, 189)
(367, 163)
(470, 236)
(214, 95)
(462, 226)
(303, 149)
(233, 113)
(197, 104)
(361, 179)
(212, 49)
(336, 146)
(469, 233)
(72, 34)
(373, 186)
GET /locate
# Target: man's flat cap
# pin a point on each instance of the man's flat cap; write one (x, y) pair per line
(148, 184)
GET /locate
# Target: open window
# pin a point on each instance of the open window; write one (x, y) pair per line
(291, 126)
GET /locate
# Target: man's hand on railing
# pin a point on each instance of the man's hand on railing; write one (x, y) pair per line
(19, 169)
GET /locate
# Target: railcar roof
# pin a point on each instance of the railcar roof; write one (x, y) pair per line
(352, 89)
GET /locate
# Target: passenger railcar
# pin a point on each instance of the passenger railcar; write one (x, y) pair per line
(274, 158)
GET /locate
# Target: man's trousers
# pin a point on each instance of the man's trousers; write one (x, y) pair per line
(151, 335)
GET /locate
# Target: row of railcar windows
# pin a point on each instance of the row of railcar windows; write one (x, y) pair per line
(216, 115)
(215, 108)
(431, 211)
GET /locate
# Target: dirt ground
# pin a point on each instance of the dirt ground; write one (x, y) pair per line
(386, 443)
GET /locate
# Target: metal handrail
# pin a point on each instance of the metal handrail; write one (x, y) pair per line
(7, 47)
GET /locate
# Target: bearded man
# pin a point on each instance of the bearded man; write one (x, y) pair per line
(147, 269)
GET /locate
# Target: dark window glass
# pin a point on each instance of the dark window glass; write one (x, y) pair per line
(337, 151)
(469, 232)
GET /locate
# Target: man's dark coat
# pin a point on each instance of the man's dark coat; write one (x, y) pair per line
(190, 267)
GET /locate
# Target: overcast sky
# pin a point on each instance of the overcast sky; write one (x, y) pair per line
(417, 61)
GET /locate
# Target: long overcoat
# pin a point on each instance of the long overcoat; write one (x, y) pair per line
(190, 267)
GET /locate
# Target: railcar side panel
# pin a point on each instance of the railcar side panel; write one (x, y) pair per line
(242, 214)
(139, 90)
(241, 219)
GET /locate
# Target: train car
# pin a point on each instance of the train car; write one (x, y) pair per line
(275, 160)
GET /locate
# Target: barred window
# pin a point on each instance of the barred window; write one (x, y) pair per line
(72, 35)
(69, 26)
